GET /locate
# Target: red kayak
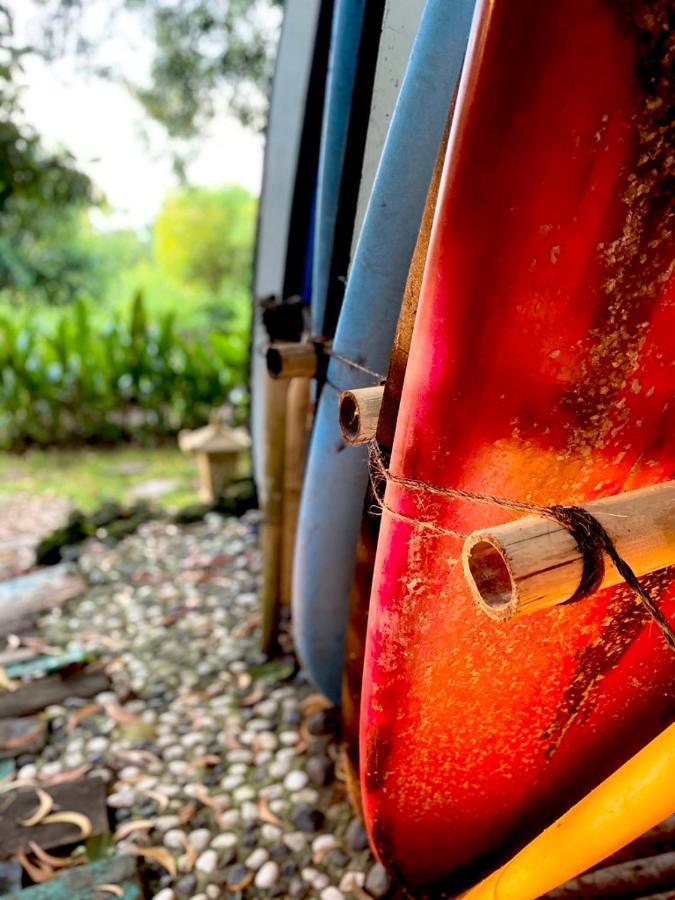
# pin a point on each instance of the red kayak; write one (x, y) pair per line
(541, 369)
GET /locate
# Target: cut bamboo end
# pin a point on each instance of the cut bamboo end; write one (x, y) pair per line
(359, 413)
(292, 360)
(534, 563)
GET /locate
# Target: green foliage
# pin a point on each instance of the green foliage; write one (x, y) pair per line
(81, 380)
(206, 54)
(41, 198)
(203, 237)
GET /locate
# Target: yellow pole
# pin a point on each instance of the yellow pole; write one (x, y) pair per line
(633, 799)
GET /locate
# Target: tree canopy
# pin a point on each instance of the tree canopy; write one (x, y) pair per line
(203, 237)
(42, 195)
(206, 54)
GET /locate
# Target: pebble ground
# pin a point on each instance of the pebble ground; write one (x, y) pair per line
(226, 760)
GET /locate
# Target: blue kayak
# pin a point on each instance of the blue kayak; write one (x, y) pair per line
(337, 477)
(348, 19)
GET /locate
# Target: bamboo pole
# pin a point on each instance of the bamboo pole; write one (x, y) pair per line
(633, 799)
(275, 439)
(292, 360)
(359, 412)
(534, 563)
(297, 433)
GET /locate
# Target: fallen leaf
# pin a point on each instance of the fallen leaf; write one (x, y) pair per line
(71, 818)
(185, 813)
(231, 743)
(68, 775)
(265, 813)
(17, 783)
(79, 715)
(248, 626)
(314, 703)
(119, 715)
(209, 759)
(45, 804)
(321, 852)
(7, 683)
(254, 697)
(27, 738)
(188, 859)
(56, 862)
(201, 793)
(161, 800)
(159, 855)
(113, 889)
(39, 874)
(359, 893)
(240, 885)
(129, 827)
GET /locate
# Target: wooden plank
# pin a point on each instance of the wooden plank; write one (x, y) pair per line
(39, 665)
(32, 698)
(22, 599)
(26, 735)
(80, 883)
(85, 796)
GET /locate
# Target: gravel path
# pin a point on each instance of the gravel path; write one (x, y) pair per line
(229, 762)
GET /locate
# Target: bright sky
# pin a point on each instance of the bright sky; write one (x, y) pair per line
(113, 140)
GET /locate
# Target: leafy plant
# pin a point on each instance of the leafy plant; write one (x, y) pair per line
(81, 379)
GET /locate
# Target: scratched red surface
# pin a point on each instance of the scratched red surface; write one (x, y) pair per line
(541, 369)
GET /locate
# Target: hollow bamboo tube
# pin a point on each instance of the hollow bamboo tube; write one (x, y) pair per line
(359, 412)
(292, 360)
(271, 529)
(297, 433)
(633, 799)
(534, 563)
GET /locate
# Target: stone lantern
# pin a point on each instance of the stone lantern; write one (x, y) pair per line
(218, 448)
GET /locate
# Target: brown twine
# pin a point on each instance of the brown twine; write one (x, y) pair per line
(326, 348)
(590, 536)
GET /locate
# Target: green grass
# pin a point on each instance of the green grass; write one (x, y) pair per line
(90, 476)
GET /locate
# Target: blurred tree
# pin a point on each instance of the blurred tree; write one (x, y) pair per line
(203, 237)
(206, 52)
(42, 196)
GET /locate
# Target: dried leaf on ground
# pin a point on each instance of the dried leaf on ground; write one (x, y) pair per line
(128, 828)
(240, 885)
(68, 775)
(265, 813)
(79, 715)
(159, 855)
(188, 859)
(38, 873)
(7, 683)
(71, 818)
(119, 715)
(161, 800)
(44, 807)
(254, 697)
(48, 859)
(187, 812)
(209, 759)
(314, 703)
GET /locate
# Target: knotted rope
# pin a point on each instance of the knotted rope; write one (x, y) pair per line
(589, 534)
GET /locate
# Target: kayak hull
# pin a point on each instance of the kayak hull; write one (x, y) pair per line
(540, 370)
(335, 481)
